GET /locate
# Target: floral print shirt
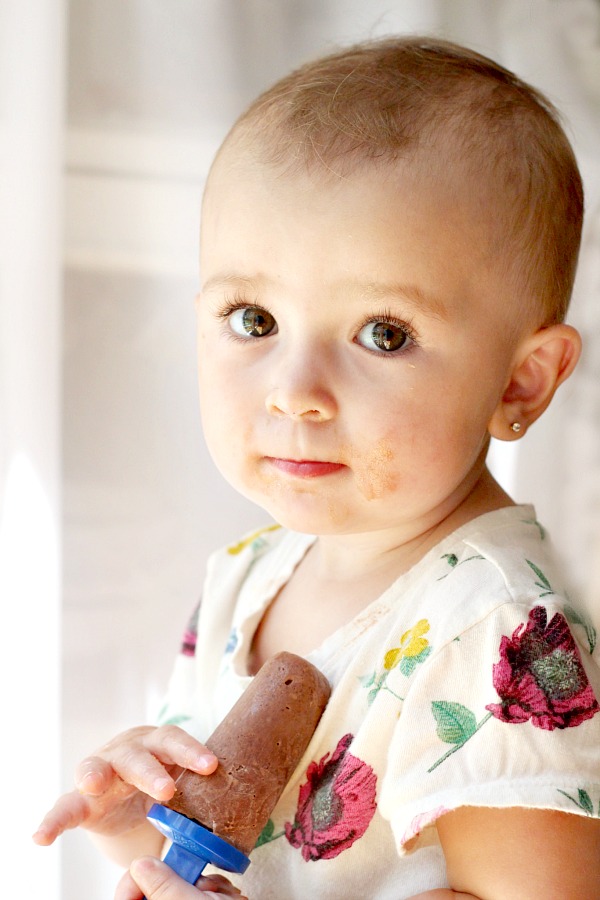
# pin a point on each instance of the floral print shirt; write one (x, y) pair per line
(472, 680)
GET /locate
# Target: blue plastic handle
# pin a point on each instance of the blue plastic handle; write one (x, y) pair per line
(193, 846)
(188, 865)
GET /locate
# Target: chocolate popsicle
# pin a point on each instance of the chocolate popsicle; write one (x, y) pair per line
(258, 745)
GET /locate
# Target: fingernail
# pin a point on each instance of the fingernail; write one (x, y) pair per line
(160, 784)
(87, 784)
(206, 761)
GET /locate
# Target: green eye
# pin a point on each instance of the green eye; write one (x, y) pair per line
(252, 322)
(383, 337)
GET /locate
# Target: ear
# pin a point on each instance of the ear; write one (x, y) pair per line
(542, 362)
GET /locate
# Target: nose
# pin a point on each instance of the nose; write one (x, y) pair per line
(302, 400)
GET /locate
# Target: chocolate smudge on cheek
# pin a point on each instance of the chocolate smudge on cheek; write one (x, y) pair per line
(372, 471)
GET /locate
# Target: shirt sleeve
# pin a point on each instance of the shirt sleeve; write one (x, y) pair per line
(505, 714)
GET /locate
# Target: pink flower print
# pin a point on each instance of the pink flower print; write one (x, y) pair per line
(420, 822)
(540, 676)
(190, 635)
(335, 804)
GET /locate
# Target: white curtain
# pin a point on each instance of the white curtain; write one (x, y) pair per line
(31, 115)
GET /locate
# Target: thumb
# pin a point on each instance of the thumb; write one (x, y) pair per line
(159, 882)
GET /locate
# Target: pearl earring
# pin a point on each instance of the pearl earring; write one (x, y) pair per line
(516, 427)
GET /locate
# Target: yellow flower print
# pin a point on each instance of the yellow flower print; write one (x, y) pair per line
(413, 650)
(234, 549)
(412, 643)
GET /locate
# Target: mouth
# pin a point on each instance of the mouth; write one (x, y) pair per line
(305, 468)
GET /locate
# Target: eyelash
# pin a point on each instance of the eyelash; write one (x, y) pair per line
(385, 316)
(236, 302)
(231, 306)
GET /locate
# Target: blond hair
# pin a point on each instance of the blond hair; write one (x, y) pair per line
(392, 99)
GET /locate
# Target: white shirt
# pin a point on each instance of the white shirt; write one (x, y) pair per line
(470, 681)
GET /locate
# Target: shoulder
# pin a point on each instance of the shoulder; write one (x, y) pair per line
(518, 545)
(511, 540)
(502, 559)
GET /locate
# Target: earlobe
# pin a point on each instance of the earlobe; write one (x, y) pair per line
(543, 361)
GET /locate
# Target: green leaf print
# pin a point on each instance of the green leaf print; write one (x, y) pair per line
(409, 663)
(411, 650)
(455, 723)
(574, 617)
(377, 684)
(453, 561)
(543, 583)
(268, 834)
(583, 801)
(540, 528)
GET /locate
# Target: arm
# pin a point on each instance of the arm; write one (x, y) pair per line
(444, 894)
(524, 854)
(117, 786)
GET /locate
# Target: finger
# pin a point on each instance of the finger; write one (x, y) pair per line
(141, 761)
(175, 746)
(159, 882)
(219, 884)
(94, 776)
(69, 811)
(127, 889)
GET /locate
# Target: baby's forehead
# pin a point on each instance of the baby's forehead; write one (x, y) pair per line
(246, 195)
(427, 170)
(462, 119)
(450, 204)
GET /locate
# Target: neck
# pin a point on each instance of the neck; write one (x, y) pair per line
(344, 558)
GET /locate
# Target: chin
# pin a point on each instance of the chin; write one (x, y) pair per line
(310, 518)
(304, 508)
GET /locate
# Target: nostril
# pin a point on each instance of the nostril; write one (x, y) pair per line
(299, 405)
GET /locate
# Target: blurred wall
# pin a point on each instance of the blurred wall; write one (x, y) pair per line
(31, 154)
(152, 88)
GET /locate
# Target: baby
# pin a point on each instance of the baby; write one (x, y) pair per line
(389, 241)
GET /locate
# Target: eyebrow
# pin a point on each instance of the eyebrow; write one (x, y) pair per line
(408, 294)
(234, 280)
(405, 294)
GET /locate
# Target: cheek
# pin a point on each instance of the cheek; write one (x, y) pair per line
(373, 466)
(412, 456)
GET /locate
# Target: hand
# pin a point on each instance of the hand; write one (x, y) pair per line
(117, 786)
(154, 880)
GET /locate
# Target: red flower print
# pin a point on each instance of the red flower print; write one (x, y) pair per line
(335, 805)
(540, 676)
(190, 635)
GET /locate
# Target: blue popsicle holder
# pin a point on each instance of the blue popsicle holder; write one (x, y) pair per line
(194, 846)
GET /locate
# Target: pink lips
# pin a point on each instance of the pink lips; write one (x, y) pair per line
(305, 468)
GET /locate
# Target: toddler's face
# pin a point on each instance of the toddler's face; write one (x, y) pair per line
(354, 341)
